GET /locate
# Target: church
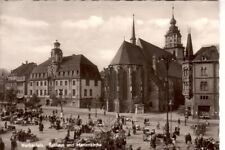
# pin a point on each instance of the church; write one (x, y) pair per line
(144, 77)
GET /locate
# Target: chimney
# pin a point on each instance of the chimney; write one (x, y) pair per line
(26, 62)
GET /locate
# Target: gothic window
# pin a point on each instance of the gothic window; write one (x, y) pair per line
(74, 92)
(61, 83)
(65, 82)
(45, 83)
(90, 92)
(96, 82)
(31, 83)
(85, 92)
(63, 73)
(74, 82)
(45, 92)
(31, 92)
(87, 82)
(203, 86)
(41, 83)
(72, 72)
(37, 83)
(41, 92)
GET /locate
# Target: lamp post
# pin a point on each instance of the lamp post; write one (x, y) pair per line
(60, 94)
(96, 106)
(171, 106)
(167, 60)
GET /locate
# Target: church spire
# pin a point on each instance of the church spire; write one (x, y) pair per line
(133, 38)
(189, 48)
(173, 21)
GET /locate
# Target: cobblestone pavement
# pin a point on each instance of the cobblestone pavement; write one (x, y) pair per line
(135, 140)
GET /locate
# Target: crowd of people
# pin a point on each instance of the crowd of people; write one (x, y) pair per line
(115, 138)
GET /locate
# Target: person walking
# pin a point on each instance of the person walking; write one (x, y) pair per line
(13, 143)
(2, 144)
(188, 138)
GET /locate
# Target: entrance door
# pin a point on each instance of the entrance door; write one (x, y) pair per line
(203, 110)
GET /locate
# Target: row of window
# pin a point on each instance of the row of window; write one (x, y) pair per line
(39, 92)
(64, 92)
(86, 92)
(60, 73)
(61, 83)
(204, 97)
(203, 71)
(39, 83)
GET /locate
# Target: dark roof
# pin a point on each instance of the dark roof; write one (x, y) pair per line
(74, 62)
(189, 48)
(210, 53)
(151, 50)
(128, 54)
(24, 69)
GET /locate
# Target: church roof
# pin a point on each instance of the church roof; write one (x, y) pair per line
(151, 50)
(208, 53)
(128, 54)
(23, 70)
(74, 62)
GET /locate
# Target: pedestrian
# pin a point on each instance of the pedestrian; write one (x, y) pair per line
(130, 147)
(6, 125)
(188, 138)
(41, 127)
(75, 134)
(35, 148)
(153, 141)
(13, 143)
(178, 121)
(2, 144)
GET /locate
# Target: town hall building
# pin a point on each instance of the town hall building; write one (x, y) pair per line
(74, 79)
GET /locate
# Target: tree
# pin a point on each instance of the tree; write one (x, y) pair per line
(33, 102)
(55, 100)
(11, 95)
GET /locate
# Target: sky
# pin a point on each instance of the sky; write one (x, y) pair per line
(97, 29)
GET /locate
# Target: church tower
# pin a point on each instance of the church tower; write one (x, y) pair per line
(187, 74)
(56, 53)
(173, 43)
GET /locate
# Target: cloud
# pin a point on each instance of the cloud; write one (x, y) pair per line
(203, 23)
(161, 22)
(91, 22)
(18, 21)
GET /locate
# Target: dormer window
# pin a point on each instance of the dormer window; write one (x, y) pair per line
(204, 58)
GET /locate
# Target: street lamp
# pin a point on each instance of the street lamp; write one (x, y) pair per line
(96, 106)
(60, 94)
(167, 60)
(171, 106)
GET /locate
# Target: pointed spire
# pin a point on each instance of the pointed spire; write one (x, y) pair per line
(133, 38)
(189, 48)
(173, 20)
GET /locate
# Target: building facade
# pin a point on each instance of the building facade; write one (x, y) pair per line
(201, 81)
(3, 79)
(74, 79)
(135, 78)
(18, 79)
